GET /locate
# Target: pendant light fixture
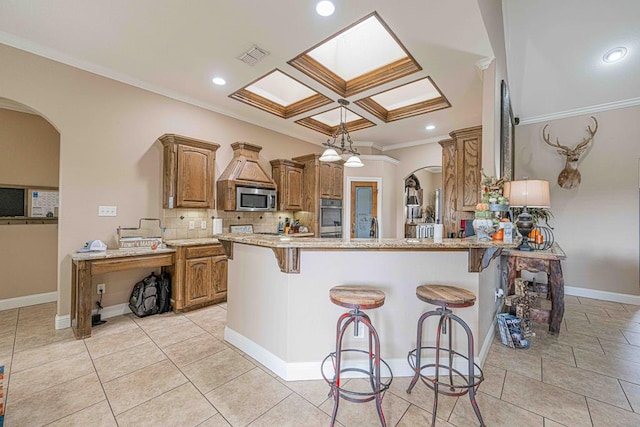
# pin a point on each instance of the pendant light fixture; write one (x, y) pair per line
(341, 140)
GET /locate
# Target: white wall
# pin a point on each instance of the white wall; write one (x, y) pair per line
(597, 223)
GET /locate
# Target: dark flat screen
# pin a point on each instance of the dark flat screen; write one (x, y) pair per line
(12, 201)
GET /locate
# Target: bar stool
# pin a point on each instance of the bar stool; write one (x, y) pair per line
(445, 297)
(357, 298)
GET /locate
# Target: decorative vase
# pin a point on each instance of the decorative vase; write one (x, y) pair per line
(483, 228)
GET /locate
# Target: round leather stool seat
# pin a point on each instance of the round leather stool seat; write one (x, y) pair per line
(362, 297)
(448, 296)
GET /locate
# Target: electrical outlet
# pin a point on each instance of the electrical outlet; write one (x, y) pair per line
(192, 225)
(203, 224)
(102, 288)
(107, 211)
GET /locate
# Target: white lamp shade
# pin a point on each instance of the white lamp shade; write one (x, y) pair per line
(330, 155)
(353, 162)
(532, 193)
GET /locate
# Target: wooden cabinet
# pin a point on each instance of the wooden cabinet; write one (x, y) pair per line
(461, 176)
(189, 172)
(288, 177)
(331, 175)
(321, 180)
(199, 276)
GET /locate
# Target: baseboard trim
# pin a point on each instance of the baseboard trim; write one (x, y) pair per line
(63, 322)
(107, 312)
(486, 346)
(603, 295)
(27, 300)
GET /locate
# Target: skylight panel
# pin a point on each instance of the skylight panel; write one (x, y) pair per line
(281, 89)
(409, 94)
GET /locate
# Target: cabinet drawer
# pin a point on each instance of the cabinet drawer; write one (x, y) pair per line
(202, 251)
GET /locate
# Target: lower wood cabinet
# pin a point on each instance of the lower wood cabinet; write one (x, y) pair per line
(199, 277)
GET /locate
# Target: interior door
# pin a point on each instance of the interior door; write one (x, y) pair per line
(364, 207)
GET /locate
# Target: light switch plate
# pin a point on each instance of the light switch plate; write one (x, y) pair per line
(192, 225)
(203, 224)
(107, 211)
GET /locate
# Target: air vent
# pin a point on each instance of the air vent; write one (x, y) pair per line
(253, 55)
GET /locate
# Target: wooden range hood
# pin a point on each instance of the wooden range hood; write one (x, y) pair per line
(243, 170)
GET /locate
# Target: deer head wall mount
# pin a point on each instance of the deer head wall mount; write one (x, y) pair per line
(570, 176)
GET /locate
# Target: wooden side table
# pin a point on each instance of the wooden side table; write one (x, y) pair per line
(547, 261)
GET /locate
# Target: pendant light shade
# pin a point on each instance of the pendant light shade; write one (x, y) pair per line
(353, 162)
(330, 155)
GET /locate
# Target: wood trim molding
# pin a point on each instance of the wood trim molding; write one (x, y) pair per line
(264, 104)
(352, 126)
(288, 259)
(480, 258)
(227, 246)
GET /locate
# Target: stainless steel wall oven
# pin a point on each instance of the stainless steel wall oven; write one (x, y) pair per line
(330, 218)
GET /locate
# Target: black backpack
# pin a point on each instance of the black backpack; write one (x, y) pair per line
(151, 295)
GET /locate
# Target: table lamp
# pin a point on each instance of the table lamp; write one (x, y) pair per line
(530, 193)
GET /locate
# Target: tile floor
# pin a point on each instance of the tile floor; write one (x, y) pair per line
(175, 370)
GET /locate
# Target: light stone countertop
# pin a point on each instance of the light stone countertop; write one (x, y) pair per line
(192, 242)
(118, 253)
(348, 243)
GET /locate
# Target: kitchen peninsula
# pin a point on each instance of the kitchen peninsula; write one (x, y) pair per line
(278, 308)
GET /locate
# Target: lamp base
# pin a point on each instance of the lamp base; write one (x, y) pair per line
(524, 225)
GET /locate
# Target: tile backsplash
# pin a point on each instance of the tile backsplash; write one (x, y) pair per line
(176, 221)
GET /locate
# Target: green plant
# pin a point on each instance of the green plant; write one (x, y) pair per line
(537, 214)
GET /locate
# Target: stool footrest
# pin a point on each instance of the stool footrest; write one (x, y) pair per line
(453, 389)
(352, 395)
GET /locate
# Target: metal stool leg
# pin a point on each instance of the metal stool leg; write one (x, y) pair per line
(374, 366)
(436, 381)
(421, 320)
(343, 322)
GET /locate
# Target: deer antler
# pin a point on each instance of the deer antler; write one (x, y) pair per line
(545, 137)
(588, 139)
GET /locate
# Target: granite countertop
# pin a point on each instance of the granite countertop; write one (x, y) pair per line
(348, 243)
(192, 242)
(118, 253)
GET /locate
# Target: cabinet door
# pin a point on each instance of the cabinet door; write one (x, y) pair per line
(219, 275)
(195, 177)
(197, 286)
(293, 188)
(468, 170)
(336, 181)
(326, 180)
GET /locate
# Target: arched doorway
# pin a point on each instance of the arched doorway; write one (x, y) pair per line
(421, 198)
(29, 165)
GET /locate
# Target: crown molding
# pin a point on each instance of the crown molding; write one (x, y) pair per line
(415, 143)
(370, 144)
(8, 104)
(633, 102)
(483, 64)
(380, 158)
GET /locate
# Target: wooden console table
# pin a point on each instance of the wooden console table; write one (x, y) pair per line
(87, 264)
(547, 261)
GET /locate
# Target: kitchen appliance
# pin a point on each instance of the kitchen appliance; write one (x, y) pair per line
(330, 218)
(255, 199)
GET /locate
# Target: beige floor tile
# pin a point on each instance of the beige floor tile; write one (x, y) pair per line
(217, 369)
(633, 394)
(614, 323)
(632, 337)
(364, 414)
(582, 308)
(546, 400)
(194, 349)
(123, 362)
(604, 415)
(422, 396)
(215, 421)
(194, 409)
(103, 345)
(315, 391)
(293, 411)
(8, 319)
(160, 321)
(547, 346)
(599, 330)
(48, 375)
(493, 380)
(98, 415)
(48, 353)
(549, 423)
(584, 382)
(415, 416)
(603, 304)
(576, 340)
(140, 386)
(164, 337)
(213, 312)
(570, 299)
(245, 398)
(574, 315)
(27, 340)
(610, 366)
(621, 350)
(6, 344)
(37, 312)
(114, 325)
(632, 308)
(51, 405)
(515, 360)
(629, 314)
(495, 413)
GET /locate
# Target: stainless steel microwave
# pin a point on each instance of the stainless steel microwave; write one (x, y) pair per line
(255, 199)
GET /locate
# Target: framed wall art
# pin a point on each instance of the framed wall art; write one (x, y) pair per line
(507, 126)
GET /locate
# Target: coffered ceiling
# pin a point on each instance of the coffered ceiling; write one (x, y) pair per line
(175, 48)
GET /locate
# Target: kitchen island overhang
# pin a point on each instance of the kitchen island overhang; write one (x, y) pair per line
(285, 320)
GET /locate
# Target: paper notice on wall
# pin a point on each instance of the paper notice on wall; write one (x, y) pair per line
(43, 203)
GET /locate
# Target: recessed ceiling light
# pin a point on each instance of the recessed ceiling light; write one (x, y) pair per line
(325, 8)
(615, 54)
(219, 81)
(430, 127)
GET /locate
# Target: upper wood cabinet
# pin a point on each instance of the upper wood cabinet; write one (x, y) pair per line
(288, 177)
(189, 172)
(461, 176)
(331, 175)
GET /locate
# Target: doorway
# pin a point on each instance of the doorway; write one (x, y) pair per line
(364, 209)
